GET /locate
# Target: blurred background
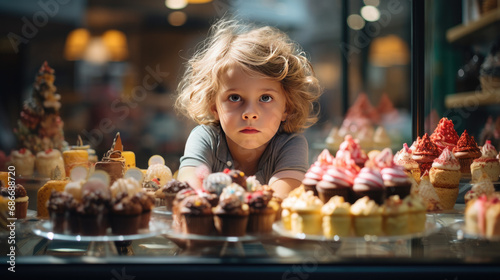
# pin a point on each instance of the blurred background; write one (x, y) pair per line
(117, 64)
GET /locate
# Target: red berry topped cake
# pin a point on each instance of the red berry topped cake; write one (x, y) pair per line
(466, 152)
(445, 135)
(425, 152)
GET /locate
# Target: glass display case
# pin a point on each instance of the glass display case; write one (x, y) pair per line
(418, 60)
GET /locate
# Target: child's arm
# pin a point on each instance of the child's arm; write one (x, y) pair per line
(283, 186)
(188, 174)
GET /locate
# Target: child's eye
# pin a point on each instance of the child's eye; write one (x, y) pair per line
(266, 98)
(234, 98)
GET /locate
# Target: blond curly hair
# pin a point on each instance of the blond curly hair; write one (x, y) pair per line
(264, 51)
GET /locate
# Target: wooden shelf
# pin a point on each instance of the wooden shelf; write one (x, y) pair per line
(472, 99)
(483, 30)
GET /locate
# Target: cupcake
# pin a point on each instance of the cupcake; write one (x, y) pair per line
(445, 177)
(20, 199)
(215, 182)
(286, 211)
(196, 216)
(444, 135)
(24, 161)
(404, 158)
(212, 198)
(180, 196)
(168, 192)
(424, 153)
(381, 140)
(416, 213)
(93, 213)
(158, 173)
(125, 214)
(235, 189)
(47, 161)
(306, 214)
(367, 217)
(147, 201)
(395, 218)
(487, 163)
(483, 185)
(231, 216)
(57, 206)
(427, 192)
(312, 177)
(73, 216)
(336, 217)
(237, 177)
(369, 183)
(335, 181)
(129, 186)
(466, 152)
(396, 181)
(262, 213)
(475, 215)
(356, 153)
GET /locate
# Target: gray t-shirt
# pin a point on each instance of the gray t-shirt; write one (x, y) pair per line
(286, 152)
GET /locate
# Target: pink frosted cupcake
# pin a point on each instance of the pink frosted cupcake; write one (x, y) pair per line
(315, 173)
(396, 181)
(356, 153)
(336, 181)
(369, 183)
(403, 158)
(487, 163)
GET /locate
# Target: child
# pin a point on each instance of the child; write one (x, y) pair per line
(251, 90)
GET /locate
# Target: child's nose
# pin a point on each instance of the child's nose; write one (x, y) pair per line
(250, 113)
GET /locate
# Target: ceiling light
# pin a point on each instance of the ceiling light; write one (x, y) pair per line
(177, 18)
(370, 13)
(176, 4)
(355, 22)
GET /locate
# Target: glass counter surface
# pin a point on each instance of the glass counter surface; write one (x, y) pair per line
(445, 253)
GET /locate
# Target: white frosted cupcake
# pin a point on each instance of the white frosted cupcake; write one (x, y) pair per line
(24, 161)
(47, 161)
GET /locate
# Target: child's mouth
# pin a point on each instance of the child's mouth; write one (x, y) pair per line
(249, 130)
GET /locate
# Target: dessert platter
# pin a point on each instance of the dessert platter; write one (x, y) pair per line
(157, 226)
(431, 227)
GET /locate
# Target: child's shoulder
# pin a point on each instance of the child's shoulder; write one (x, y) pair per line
(207, 129)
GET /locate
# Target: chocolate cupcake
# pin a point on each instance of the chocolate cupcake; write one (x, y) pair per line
(170, 190)
(93, 213)
(125, 214)
(147, 201)
(57, 206)
(196, 216)
(231, 216)
(20, 199)
(180, 196)
(237, 177)
(369, 183)
(262, 214)
(335, 181)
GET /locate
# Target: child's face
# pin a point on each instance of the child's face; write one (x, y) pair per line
(250, 109)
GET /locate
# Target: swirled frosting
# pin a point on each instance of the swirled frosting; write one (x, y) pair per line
(370, 177)
(129, 185)
(403, 158)
(394, 174)
(488, 151)
(352, 146)
(339, 176)
(446, 161)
